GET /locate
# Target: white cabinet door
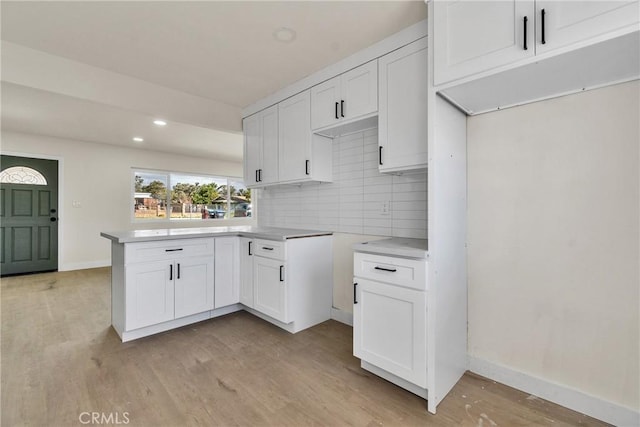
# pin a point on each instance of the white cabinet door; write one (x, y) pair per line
(389, 329)
(475, 36)
(246, 271)
(194, 285)
(268, 173)
(252, 148)
(359, 91)
(227, 271)
(261, 147)
(325, 103)
(149, 294)
(345, 97)
(567, 22)
(402, 120)
(270, 288)
(294, 137)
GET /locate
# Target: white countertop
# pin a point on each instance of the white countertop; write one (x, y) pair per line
(268, 233)
(396, 246)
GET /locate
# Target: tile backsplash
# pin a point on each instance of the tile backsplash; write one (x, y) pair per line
(360, 199)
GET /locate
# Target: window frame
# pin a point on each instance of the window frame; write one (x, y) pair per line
(167, 220)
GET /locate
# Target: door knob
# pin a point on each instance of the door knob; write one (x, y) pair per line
(53, 219)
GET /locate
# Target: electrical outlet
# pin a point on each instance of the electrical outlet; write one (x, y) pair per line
(386, 205)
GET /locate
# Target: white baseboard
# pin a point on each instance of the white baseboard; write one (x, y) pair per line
(69, 266)
(342, 316)
(562, 395)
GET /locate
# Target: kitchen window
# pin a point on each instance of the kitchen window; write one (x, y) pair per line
(174, 196)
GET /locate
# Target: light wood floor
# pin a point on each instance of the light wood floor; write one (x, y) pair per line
(60, 358)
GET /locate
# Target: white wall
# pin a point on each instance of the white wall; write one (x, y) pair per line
(553, 241)
(351, 206)
(99, 176)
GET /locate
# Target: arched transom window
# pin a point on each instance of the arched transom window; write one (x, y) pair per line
(22, 175)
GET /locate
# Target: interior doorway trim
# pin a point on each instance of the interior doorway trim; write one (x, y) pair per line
(61, 205)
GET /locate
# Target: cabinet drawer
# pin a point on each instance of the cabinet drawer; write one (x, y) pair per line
(269, 249)
(168, 249)
(410, 273)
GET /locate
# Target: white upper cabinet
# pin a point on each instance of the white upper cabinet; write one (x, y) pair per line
(294, 137)
(359, 91)
(402, 121)
(347, 97)
(473, 36)
(301, 155)
(252, 148)
(325, 99)
(261, 147)
(568, 22)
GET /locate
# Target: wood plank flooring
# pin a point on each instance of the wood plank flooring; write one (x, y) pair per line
(61, 361)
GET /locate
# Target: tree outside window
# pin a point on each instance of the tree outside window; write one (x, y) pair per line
(190, 197)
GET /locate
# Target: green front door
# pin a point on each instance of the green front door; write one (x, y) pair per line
(28, 215)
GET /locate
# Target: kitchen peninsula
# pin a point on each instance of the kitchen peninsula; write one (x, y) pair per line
(167, 278)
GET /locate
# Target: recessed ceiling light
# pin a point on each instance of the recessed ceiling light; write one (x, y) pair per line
(160, 122)
(138, 139)
(284, 35)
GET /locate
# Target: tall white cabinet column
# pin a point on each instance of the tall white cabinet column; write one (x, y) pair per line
(447, 229)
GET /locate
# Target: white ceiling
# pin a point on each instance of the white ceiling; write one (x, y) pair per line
(223, 54)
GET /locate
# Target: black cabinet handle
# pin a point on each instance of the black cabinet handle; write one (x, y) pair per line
(542, 15)
(380, 155)
(173, 250)
(266, 248)
(170, 271)
(337, 111)
(178, 270)
(257, 176)
(282, 273)
(250, 242)
(524, 45)
(355, 301)
(342, 107)
(306, 167)
(392, 270)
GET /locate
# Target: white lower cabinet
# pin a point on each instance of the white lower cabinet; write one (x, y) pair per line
(161, 285)
(194, 285)
(270, 288)
(149, 294)
(390, 317)
(292, 281)
(390, 329)
(246, 271)
(227, 271)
